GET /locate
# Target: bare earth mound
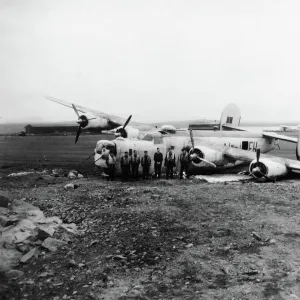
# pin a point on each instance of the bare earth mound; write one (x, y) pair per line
(162, 240)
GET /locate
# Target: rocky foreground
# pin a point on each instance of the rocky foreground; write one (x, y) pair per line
(149, 239)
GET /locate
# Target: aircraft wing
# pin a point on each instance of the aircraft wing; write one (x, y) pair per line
(239, 154)
(116, 121)
(281, 137)
(247, 156)
(293, 165)
(265, 134)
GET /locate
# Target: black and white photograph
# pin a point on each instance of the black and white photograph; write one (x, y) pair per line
(149, 150)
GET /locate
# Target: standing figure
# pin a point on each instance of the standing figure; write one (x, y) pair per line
(125, 166)
(135, 162)
(158, 159)
(146, 163)
(170, 163)
(184, 162)
(111, 162)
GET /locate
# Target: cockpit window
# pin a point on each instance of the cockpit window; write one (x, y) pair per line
(147, 137)
(141, 136)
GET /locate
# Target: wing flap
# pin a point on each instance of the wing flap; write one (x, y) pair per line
(239, 154)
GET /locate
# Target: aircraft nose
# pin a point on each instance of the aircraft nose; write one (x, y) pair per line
(100, 161)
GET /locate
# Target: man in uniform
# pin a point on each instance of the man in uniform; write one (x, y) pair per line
(125, 166)
(146, 163)
(111, 162)
(135, 162)
(158, 158)
(184, 161)
(170, 163)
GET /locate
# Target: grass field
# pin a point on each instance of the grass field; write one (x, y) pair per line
(48, 150)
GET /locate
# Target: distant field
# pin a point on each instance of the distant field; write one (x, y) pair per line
(61, 150)
(58, 150)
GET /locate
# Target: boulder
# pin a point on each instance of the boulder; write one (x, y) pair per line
(74, 172)
(19, 232)
(24, 248)
(70, 228)
(14, 274)
(45, 232)
(9, 258)
(53, 244)
(71, 186)
(80, 176)
(72, 175)
(57, 172)
(5, 221)
(25, 258)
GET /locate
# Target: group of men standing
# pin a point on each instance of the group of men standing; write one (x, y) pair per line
(130, 164)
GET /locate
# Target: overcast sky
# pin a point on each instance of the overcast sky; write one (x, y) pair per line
(158, 60)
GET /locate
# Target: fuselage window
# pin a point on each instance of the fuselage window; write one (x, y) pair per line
(245, 145)
(148, 137)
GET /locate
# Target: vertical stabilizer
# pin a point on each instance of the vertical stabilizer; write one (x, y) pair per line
(230, 116)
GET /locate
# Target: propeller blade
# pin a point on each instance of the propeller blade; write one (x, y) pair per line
(127, 121)
(78, 133)
(76, 111)
(208, 162)
(257, 155)
(192, 138)
(97, 159)
(267, 177)
(88, 158)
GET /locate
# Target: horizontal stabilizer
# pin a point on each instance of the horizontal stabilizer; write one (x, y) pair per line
(230, 127)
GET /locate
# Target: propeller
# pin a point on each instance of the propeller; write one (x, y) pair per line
(122, 130)
(82, 121)
(195, 154)
(256, 172)
(78, 133)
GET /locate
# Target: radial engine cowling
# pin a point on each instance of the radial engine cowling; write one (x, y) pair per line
(207, 153)
(128, 132)
(267, 167)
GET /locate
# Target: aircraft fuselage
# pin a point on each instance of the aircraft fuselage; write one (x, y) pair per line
(217, 141)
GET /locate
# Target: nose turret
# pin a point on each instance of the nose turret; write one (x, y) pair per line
(102, 151)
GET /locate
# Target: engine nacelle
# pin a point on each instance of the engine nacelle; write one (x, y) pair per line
(129, 132)
(168, 128)
(95, 122)
(267, 167)
(207, 153)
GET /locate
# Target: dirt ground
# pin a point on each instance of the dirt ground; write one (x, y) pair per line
(160, 239)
